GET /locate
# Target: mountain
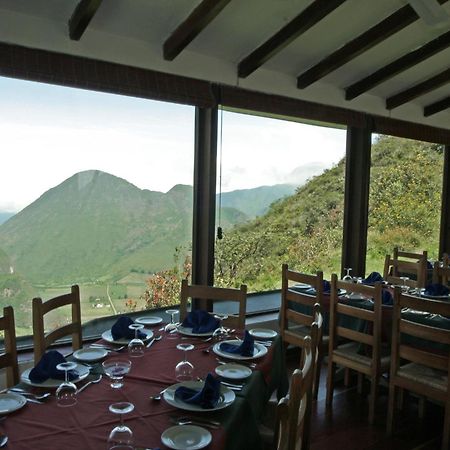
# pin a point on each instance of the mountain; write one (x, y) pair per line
(255, 202)
(305, 230)
(4, 216)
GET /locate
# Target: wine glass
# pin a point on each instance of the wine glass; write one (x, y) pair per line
(116, 369)
(121, 436)
(221, 332)
(347, 276)
(184, 369)
(405, 287)
(172, 326)
(66, 394)
(136, 346)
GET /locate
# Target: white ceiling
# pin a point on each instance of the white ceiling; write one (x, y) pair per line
(132, 32)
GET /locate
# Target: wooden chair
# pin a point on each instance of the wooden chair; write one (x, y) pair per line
(441, 274)
(292, 410)
(216, 294)
(416, 370)
(298, 312)
(394, 269)
(411, 263)
(42, 340)
(8, 359)
(349, 355)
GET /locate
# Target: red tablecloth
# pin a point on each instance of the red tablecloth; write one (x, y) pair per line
(86, 425)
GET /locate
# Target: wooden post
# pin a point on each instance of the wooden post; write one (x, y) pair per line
(444, 239)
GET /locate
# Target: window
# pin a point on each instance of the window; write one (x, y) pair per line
(96, 190)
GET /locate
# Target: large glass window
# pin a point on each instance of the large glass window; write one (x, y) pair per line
(96, 190)
(405, 198)
(284, 183)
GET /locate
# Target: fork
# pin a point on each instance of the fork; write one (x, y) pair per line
(194, 422)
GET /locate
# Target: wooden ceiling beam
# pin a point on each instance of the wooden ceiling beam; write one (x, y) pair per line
(419, 89)
(436, 107)
(365, 41)
(188, 30)
(83, 14)
(309, 17)
(399, 65)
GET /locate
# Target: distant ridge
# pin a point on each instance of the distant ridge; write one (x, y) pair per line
(96, 226)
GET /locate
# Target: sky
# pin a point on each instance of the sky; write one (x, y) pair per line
(48, 133)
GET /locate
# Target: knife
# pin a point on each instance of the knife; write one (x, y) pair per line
(150, 342)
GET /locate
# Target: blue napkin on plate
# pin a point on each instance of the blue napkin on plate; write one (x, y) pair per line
(436, 290)
(120, 329)
(326, 288)
(200, 321)
(46, 368)
(245, 349)
(207, 397)
(373, 278)
(386, 297)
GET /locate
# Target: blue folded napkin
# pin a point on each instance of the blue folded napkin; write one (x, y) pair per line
(46, 368)
(200, 321)
(436, 290)
(373, 278)
(326, 287)
(245, 349)
(207, 397)
(386, 297)
(121, 329)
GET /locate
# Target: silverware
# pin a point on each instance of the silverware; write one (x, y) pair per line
(198, 419)
(232, 385)
(33, 400)
(82, 388)
(3, 439)
(244, 363)
(26, 393)
(156, 338)
(108, 348)
(157, 397)
(194, 422)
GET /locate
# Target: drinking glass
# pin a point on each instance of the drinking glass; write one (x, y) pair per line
(347, 276)
(221, 332)
(171, 327)
(405, 287)
(136, 346)
(184, 369)
(116, 369)
(66, 394)
(121, 436)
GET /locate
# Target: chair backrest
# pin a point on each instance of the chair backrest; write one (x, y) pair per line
(292, 409)
(418, 266)
(445, 260)
(403, 351)
(371, 336)
(297, 306)
(216, 294)
(441, 274)
(395, 268)
(8, 359)
(42, 340)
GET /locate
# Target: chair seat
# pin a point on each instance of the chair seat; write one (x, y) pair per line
(352, 351)
(424, 375)
(303, 330)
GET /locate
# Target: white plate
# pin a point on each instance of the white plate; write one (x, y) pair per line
(186, 437)
(83, 372)
(149, 320)
(263, 333)
(227, 397)
(90, 354)
(107, 336)
(188, 332)
(10, 401)
(233, 371)
(258, 351)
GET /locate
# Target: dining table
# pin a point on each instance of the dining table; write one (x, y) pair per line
(87, 424)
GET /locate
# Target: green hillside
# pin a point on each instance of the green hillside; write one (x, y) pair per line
(255, 202)
(305, 230)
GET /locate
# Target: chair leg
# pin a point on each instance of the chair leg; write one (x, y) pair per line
(421, 407)
(373, 399)
(400, 398)
(446, 431)
(347, 375)
(330, 381)
(318, 370)
(391, 408)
